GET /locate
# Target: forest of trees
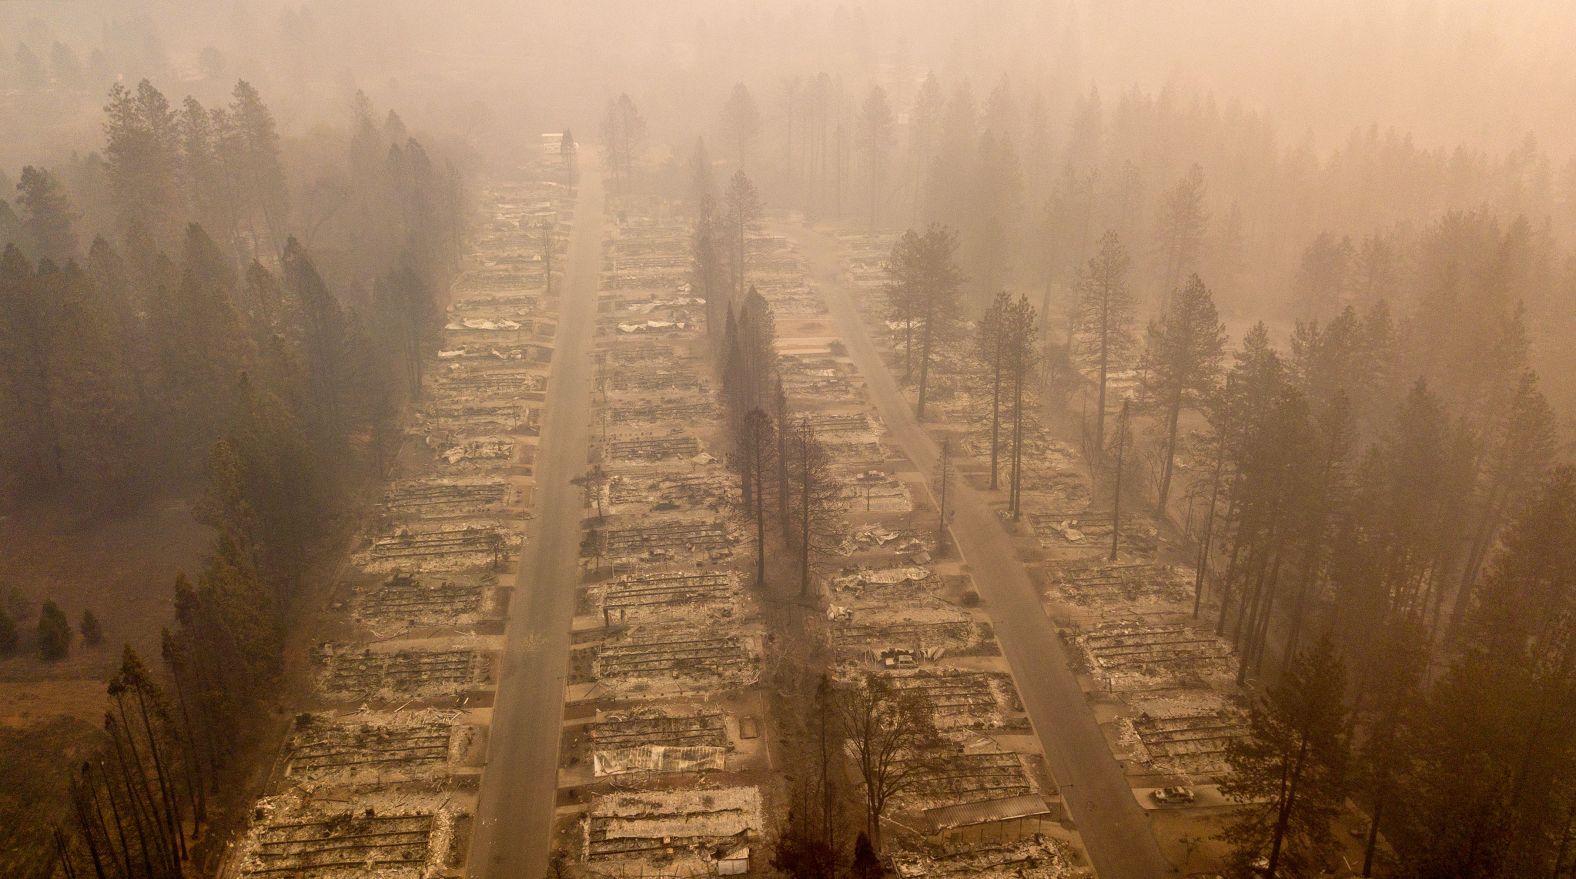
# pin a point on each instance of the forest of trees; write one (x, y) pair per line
(217, 329)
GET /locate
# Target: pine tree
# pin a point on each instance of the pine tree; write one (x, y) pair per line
(199, 345)
(203, 171)
(252, 144)
(992, 211)
(758, 348)
(96, 407)
(1517, 453)
(922, 273)
(13, 232)
(1488, 792)
(91, 630)
(1023, 361)
(1181, 365)
(1289, 770)
(48, 214)
(27, 323)
(324, 332)
(757, 444)
(706, 267)
(1184, 221)
(814, 502)
(741, 120)
(1105, 318)
(143, 153)
(990, 346)
(54, 631)
(875, 140)
(743, 215)
(1324, 277)
(623, 138)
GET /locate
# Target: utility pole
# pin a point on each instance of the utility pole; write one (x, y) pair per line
(943, 478)
(1116, 503)
(549, 232)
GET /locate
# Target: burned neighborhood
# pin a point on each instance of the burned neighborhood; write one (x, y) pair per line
(826, 440)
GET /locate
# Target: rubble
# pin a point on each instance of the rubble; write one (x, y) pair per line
(1037, 857)
(951, 778)
(1090, 530)
(418, 600)
(655, 662)
(680, 829)
(1143, 656)
(446, 546)
(295, 835)
(656, 596)
(372, 746)
(378, 773)
(1133, 588)
(390, 674)
(959, 700)
(433, 497)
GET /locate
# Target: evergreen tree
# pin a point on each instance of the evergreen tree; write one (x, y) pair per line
(706, 270)
(623, 139)
(324, 332)
(866, 863)
(91, 630)
(54, 632)
(48, 214)
(922, 274)
(199, 346)
(815, 502)
(203, 177)
(1518, 451)
(26, 324)
(992, 211)
(95, 406)
(741, 121)
(1324, 278)
(143, 152)
(251, 142)
(1289, 770)
(1022, 356)
(13, 232)
(743, 216)
(1184, 221)
(1488, 792)
(1181, 365)
(758, 348)
(875, 140)
(1105, 319)
(757, 445)
(990, 346)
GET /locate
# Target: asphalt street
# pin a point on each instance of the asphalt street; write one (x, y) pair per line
(519, 787)
(1115, 828)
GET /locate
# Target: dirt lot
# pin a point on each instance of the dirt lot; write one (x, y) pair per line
(122, 569)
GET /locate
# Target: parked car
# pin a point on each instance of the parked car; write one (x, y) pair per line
(1173, 796)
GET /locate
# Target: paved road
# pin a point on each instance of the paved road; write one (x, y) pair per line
(1115, 829)
(515, 813)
